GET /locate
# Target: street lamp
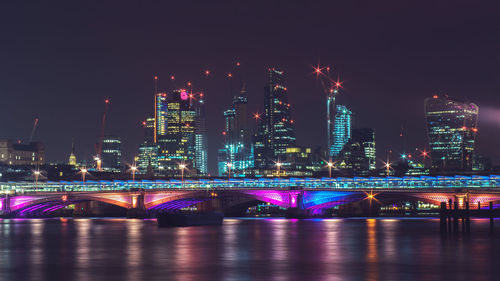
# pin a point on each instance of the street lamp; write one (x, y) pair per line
(388, 167)
(229, 165)
(83, 171)
(133, 169)
(278, 166)
(182, 167)
(330, 165)
(37, 174)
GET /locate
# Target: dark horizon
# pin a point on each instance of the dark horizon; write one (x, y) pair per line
(59, 63)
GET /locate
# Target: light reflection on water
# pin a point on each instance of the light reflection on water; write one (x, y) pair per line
(244, 249)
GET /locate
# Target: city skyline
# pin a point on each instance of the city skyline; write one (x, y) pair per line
(383, 92)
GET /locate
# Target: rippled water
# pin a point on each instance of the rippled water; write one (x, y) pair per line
(245, 249)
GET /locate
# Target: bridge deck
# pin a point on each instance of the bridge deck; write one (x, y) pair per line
(344, 184)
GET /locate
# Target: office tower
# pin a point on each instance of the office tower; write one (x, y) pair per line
(148, 150)
(260, 147)
(237, 150)
(451, 131)
(201, 139)
(341, 130)
(177, 145)
(366, 139)
(161, 111)
(278, 130)
(330, 117)
(111, 154)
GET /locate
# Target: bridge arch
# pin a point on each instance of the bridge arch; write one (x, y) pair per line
(35, 202)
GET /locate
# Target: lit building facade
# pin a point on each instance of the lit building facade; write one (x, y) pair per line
(160, 122)
(366, 139)
(341, 130)
(178, 144)
(451, 131)
(21, 154)
(148, 150)
(279, 124)
(201, 139)
(275, 132)
(111, 154)
(238, 150)
(357, 157)
(330, 117)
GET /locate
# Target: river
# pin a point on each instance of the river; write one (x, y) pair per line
(245, 249)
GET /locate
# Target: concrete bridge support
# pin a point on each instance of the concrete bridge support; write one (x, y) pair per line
(138, 209)
(296, 209)
(5, 211)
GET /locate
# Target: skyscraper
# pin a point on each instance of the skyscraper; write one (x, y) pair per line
(111, 154)
(366, 139)
(177, 145)
(148, 150)
(278, 124)
(161, 111)
(201, 139)
(451, 130)
(341, 130)
(237, 150)
(330, 117)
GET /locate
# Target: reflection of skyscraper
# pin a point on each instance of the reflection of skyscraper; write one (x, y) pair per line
(201, 144)
(177, 145)
(451, 130)
(341, 130)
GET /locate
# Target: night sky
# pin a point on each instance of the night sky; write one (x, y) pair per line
(59, 61)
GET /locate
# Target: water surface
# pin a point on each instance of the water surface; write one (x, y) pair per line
(245, 249)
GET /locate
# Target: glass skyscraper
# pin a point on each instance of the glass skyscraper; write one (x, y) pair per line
(366, 139)
(451, 131)
(201, 140)
(276, 131)
(177, 145)
(160, 122)
(111, 154)
(237, 150)
(148, 150)
(341, 129)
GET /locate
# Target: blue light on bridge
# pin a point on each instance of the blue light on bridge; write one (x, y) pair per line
(474, 181)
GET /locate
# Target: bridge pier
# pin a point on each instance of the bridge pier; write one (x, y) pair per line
(296, 210)
(5, 207)
(138, 210)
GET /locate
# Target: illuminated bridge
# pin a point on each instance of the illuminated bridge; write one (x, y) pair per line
(313, 195)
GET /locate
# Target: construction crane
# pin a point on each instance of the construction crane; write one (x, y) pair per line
(98, 158)
(35, 124)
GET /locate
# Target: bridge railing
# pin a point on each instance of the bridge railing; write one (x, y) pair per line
(492, 181)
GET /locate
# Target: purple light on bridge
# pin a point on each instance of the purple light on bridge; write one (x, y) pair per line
(279, 198)
(53, 208)
(32, 208)
(177, 204)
